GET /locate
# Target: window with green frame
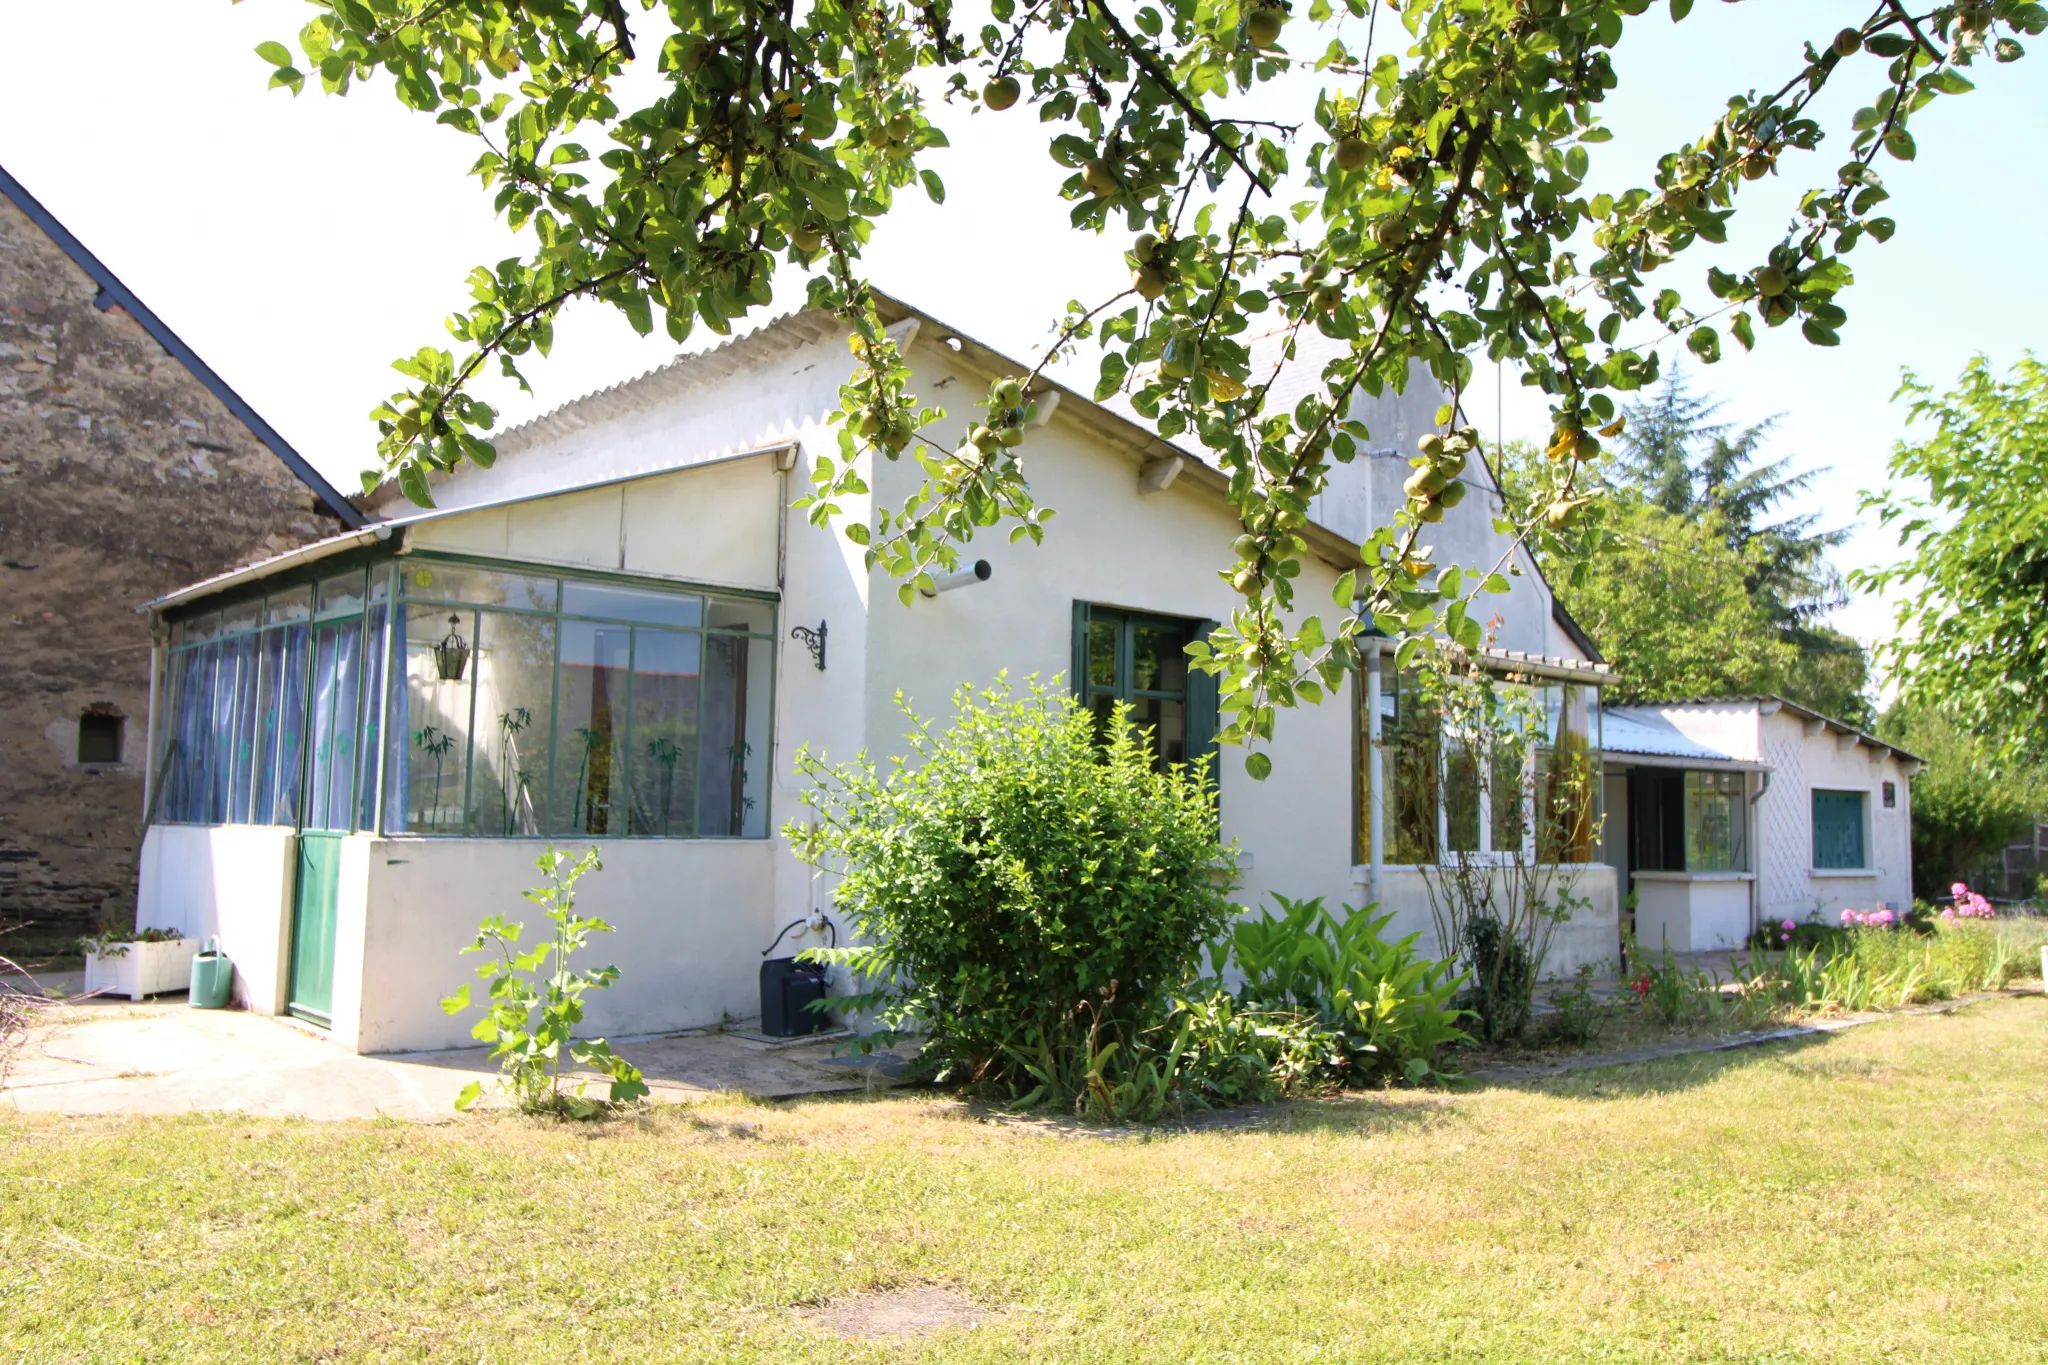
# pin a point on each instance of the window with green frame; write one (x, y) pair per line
(1839, 829)
(506, 702)
(1142, 659)
(607, 708)
(266, 716)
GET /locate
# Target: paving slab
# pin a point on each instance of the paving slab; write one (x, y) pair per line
(162, 1057)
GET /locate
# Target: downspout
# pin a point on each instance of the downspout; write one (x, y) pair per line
(1376, 813)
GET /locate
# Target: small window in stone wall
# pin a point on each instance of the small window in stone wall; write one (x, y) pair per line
(99, 735)
(1891, 796)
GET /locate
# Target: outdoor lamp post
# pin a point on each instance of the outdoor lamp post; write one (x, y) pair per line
(451, 656)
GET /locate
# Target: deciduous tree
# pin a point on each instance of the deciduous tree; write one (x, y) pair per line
(1427, 203)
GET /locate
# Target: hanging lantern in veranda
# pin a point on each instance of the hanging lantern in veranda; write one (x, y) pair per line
(451, 656)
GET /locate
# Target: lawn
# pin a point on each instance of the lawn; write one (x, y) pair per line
(1875, 1195)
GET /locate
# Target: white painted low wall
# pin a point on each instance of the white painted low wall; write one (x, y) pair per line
(1691, 912)
(1593, 935)
(691, 920)
(230, 881)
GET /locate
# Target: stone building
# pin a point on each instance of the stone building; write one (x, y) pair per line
(127, 467)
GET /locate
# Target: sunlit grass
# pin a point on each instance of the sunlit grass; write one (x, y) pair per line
(1876, 1195)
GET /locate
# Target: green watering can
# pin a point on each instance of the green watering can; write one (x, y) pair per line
(212, 976)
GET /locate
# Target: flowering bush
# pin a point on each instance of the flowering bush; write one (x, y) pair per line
(1968, 905)
(1868, 919)
(1774, 935)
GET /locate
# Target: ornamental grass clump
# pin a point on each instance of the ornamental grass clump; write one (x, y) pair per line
(1029, 894)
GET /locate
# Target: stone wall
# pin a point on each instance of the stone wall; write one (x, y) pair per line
(121, 478)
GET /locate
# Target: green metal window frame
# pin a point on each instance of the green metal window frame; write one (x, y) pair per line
(563, 576)
(1198, 697)
(1841, 831)
(380, 668)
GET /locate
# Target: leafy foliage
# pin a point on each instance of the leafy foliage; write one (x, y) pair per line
(1970, 641)
(1028, 898)
(1865, 969)
(536, 1002)
(1439, 199)
(1502, 908)
(1387, 1009)
(1966, 806)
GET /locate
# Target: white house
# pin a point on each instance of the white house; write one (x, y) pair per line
(620, 634)
(1728, 813)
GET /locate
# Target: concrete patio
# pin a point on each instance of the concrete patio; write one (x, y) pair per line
(100, 1056)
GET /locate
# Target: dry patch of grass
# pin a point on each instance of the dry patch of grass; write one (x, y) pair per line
(1874, 1195)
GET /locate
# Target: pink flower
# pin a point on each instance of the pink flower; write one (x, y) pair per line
(1848, 918)
(1790, 926)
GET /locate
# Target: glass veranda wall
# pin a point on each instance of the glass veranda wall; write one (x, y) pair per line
(439, 697)
(1542, 797)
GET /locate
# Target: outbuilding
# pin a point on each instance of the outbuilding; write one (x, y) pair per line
(1730, 812)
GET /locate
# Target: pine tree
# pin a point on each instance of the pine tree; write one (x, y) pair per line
(1676, 455)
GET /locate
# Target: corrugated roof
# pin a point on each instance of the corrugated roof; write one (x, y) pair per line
(1639, 730)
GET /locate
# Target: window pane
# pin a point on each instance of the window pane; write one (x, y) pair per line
(427, 751)
(376, 654)
(460, 583)
(325, 689)
(667, 672)
(1714, 823)
(342, 593)
(591, 736)
(242, 617)
(732, 789)
(242, 769)
(1409, 755)
(631, 604)
(1163, 721)
(288, 605)
(221, 732)
(1506, 798)
(1838, 829)
(337, 687)
(1102, 653)
(1461, 797)
(285, 749)
(194, 629)
(729, 613)
(184, 750)
(515, 683)
(1159, 662)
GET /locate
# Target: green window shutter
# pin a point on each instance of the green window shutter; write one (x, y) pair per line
(1838, 830)
(1203, 717)
(1077, 676)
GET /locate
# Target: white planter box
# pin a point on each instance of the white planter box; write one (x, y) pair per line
(143, 969)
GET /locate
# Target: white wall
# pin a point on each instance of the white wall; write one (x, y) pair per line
(1692, 912)
(230, 881)
(1591, 936)
(1113, 546)
(691, 918)
(714, 523)
(1791, 888)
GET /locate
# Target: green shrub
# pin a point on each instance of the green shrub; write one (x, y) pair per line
(536, 1002)
(1503, 978)
(1579, 1016)
(1029, 898)
(1387, 1009)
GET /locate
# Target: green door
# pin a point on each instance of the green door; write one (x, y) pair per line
(313, 916)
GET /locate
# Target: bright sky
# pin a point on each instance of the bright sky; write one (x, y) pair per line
(300, 245)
